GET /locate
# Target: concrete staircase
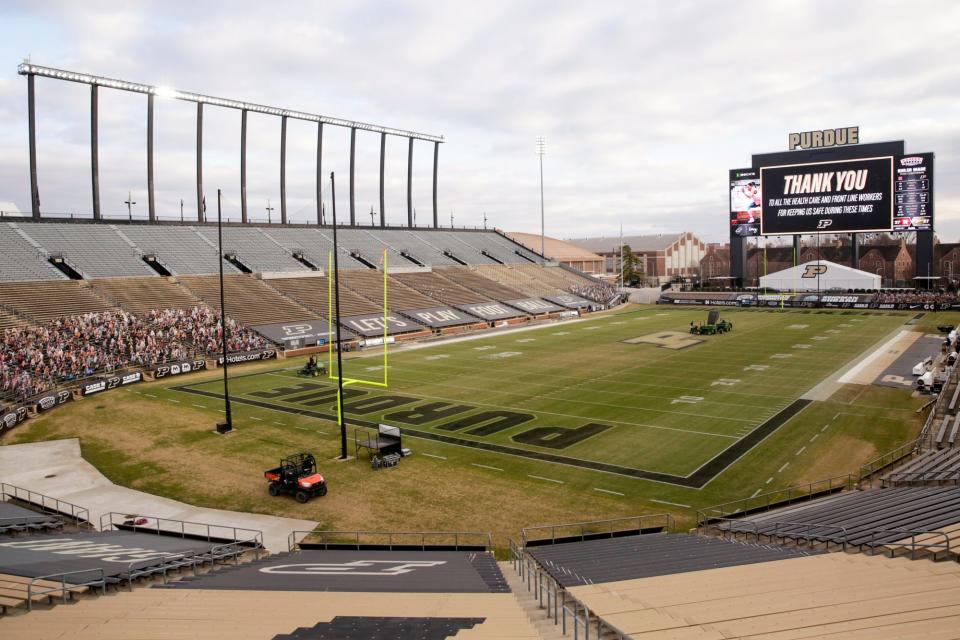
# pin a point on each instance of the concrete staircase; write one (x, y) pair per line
(537, 616)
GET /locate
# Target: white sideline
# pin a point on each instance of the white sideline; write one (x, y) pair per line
(889, 351)
(76, 480)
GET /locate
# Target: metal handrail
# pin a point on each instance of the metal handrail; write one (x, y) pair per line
(255, 541)
(872, 544)
(64, 589)
(78, 514)
(763, 501)
(153, 562)
(582, 526)
(877, 464)
(293, 545)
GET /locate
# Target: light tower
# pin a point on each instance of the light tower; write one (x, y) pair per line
(541, 150)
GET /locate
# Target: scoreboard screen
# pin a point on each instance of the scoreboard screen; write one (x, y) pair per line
(745, 202)
(913, 193)
(842, 196)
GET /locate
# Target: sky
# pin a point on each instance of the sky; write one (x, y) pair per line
(644, 106)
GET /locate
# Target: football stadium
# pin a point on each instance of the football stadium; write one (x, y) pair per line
(350, 424)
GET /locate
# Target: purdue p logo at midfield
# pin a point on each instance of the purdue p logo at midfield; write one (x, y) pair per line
(814, 270)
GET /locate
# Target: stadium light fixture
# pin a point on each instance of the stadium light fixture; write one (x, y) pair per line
(27, 69)
(541, 151)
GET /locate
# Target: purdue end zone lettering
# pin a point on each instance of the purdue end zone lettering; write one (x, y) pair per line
(484, 423)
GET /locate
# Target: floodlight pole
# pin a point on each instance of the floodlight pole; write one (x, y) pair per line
(541, 149)
(129, 202)
(336, 323)
(224, 332)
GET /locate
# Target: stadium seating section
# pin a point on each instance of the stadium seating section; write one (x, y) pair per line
(641, 556)
(250, 301)
(428, 268)
(936, 466)
(831, 595)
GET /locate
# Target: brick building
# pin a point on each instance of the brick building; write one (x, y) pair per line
(660, 257)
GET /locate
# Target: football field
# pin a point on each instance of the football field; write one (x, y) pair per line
(631, 393)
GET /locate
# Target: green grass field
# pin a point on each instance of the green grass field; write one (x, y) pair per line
(568, 421)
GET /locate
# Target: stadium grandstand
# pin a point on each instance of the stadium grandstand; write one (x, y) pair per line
(727, 406)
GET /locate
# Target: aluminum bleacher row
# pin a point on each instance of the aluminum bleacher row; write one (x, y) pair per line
(869, 520)
(936, 466)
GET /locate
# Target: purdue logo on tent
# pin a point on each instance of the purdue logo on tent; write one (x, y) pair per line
(814, 270)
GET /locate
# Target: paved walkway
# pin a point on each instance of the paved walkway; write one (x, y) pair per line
(57, 469)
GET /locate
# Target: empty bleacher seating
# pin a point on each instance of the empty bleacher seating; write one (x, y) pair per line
(248, 299)
(857, 519)
(825, 596)
(369, 284)
(180, 249)
(9, 319)
(445, 290)
(255, 249)
(475, 281)
(20, 260)
(141, 295)
(313, 293)
(637, 556)
(314, 244)
(930, 467)
(94, 250)
(520, 280)
(48, 300)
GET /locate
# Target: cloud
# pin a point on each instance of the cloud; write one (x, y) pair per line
(645, 106)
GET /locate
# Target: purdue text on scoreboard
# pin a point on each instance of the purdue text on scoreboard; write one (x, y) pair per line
(824, 138)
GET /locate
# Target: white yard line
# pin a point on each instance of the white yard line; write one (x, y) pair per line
(672, 504)
(547, 479)
(756, 493)
(150, 395)
(485, 466)
(769, 480)
(614, 493)
(430, 455)
(199, 406)
(172, 400)
(815, 436)
(802, 449)
(785, 465)
(255, 418)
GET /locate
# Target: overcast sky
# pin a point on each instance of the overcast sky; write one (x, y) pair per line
(644, 105)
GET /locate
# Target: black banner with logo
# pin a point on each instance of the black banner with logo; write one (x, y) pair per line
(294, 335)
(490, 310)
(534, 306)
(12, 417)
(179, 368)
(248, 356)
(437, 317)
(53, 399)
(110, 382)
(370, 325)
(570, 301)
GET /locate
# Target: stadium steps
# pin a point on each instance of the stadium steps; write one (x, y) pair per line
(545, 627)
